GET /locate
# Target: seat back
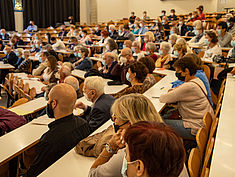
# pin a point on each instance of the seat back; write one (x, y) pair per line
(19, 102)
(207, 120)
(213, 127)
(201, 139)
(201, 54)
(194, 163)
(207, 71)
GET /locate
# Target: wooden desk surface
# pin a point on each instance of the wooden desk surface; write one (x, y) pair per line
(6, 66)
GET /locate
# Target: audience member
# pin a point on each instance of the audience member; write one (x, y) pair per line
(145, 16)
(63, 134)
(74, 83)
(193, 104)
(150, 49)
(136, 49)
(165, 57)
(57, 44)
(113, 32)
(84, 63)
(143, 28)
(224, 38)
(64, 72)
(63, 32)
(136, 75)
(42, 66)
(99, 113)
(32, 27)
(172, 16)
(19, 54)
(10, 56)
(26, 64)
(4, 35)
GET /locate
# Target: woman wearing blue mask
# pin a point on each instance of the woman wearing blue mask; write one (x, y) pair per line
(136, 28)
(231, 53)
(165, 57)
(213, 48)
(84, 62)
(179, 50)
(136, 75)
(126, 111)
(146, 154)
(223, 36)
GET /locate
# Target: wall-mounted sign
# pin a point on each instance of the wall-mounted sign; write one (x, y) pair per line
(18, 6)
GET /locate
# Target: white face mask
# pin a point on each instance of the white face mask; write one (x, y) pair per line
(123, 60)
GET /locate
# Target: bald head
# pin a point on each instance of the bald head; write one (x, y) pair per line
(65, 97)
(72, 81)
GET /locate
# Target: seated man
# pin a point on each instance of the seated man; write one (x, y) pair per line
(25, 66)
(74, 83)
(50, 50)
(99, 113)
(4, 35)
(84, 63)
(119, 71)
(63, 134)
(10, 121)
(42, 59)
(32, 27)
(57, 44)
(10, 57)
(63, 73)
(62, 33)
(109, 63)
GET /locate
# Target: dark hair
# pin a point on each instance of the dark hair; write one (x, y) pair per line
(112, 44)
(140, 69)
(126, 26)
(45, 54)
(212, 35)
(83, 49)
(163, 11)
(173, 10)
(201, 8)
(158, 146)
(84, 31)
(186, 62)
(149, 63)
(1, 42)
(231, 19)
(223, 25)
(196, 59)
(74, 39)
(53, 39)
(53, 63)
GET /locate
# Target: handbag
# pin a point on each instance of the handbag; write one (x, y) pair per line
(92, 146)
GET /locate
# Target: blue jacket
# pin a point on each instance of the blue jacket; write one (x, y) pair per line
(85, 65)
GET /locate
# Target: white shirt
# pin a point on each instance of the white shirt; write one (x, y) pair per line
(103, 44)
(139, 55)
(59, 45)
(210, 53)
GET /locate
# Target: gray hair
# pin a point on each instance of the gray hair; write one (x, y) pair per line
(165, 46)
(48, 46)
(72, 81)
(173, 37)
(150, 46)
(136, 44)
(95, 83)
(65, 70)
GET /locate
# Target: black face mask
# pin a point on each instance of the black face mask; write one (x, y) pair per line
(181, 78)
(117, 127)
(50, 111)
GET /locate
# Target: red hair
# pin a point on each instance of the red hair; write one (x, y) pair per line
(105, 33)
(158, 146)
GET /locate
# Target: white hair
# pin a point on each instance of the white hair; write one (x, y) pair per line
(65, 70)
(95, 83)
(72, 81)
(112, 27)
(173, 37)
(197, 23)
(150, 46)
(165, 46)
(181, 41)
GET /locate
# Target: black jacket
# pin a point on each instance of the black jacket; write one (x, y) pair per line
(62, 136)
(11, 58)
(97, 115)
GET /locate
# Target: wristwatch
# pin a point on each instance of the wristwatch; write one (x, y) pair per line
(109, 149)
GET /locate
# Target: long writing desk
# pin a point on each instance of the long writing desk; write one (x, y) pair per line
(5, 66)
(75, 165)
(223, 158)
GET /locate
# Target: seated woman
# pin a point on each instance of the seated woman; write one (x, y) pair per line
(136, 28)
(84, 63)
(48, 76)
(150, 79)
(191, 99)
(179, 50)
(150, 49)
(73, 43)
(136, 49)
(104, 39)
(231, 52)
(136, 75)
(213, 48)
(172, 40)
(111, 46)
(148, 37)
(26, 63)
(200, 74)
(174, 30)
(146, 154)
(159, 33)
(165, 57)
(35, 47)
(85, 40)
(183, 42)
(19, 54)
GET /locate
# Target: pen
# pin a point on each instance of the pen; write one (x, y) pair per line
(162, 88)
(155, 97)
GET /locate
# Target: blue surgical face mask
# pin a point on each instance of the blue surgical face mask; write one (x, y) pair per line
(36, 45)
(228, 24)
(163, 21)
(218, 32)
(148, 53)
(206, 41)
(233, 43)
(75, 54)
(36, 37)
(23, 56)
(17, 54)
(160, 52)
(2, 34)
(135, 25)
(176, 53)
(162, 14)
(40, 59)
(128, 77)
(45, 96)
(171, 32)
(133, 49)
(119, 31)
(79, 55)
(32, 45)
(110, 31)
(103, 62)
(124, 46)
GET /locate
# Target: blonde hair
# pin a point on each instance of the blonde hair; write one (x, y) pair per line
(150, 36)
(135, 108)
